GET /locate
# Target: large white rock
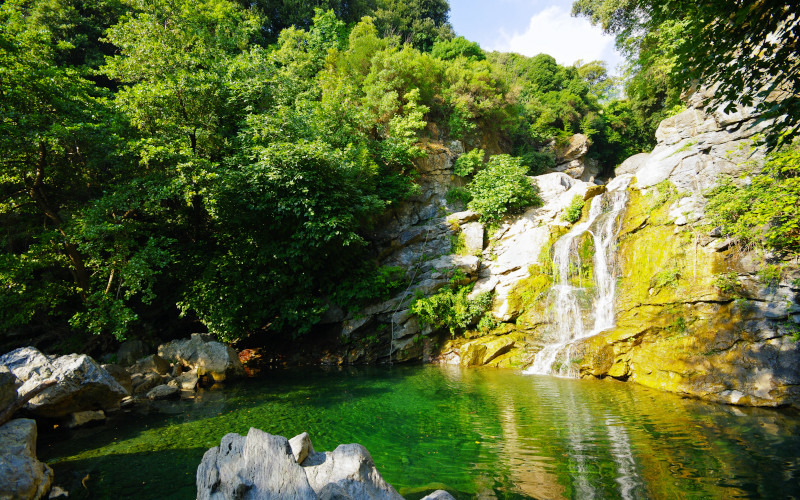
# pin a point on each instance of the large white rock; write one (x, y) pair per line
(256, 466)
(347, 470)
(212, 358)
(22, 475)
(82, 383)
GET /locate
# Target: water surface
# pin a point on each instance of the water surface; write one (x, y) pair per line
(478, 433)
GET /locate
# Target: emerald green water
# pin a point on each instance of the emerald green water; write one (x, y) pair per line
(474, 432)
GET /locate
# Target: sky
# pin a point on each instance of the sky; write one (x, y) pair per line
(531, 27)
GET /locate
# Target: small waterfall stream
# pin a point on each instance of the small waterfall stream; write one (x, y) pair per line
(567, 296)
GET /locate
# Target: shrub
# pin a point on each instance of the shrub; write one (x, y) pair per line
(468, 163)
(451, 308)
(502, 187)
(572, 213)
(765, 211)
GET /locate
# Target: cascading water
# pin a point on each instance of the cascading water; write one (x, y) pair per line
(566, 294)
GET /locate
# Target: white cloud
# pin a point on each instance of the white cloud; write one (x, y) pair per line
(553, 31)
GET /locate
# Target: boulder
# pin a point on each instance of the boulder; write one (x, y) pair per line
(211, 358)
(82, 383)
(151, 363)
(130, 351)
(121, 375)
(8, 387)
(258, 465)
(439, 495)
(163, 392)
(301, 447)
(81, 418)
(264, 466)
(350, 471)
(22, 475)
(142, 383)
(185, 381)
(473, 237)
(632, 164)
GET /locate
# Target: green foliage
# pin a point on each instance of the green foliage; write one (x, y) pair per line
(770, 275)
(458, 195)
(572, 213)
(457, 47)
(745, 48)
(418, 22)
(502, 187)
(728, 284)
(469, 163)
(762, 210)
(665, 277)
(451, 308)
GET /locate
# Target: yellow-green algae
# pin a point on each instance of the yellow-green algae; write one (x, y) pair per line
(676, 331)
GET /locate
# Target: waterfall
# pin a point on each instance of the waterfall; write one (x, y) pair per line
(567, 296)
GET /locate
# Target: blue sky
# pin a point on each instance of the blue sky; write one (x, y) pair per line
(531, 27)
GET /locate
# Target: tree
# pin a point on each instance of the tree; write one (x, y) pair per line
(747, 49)
(418, 22)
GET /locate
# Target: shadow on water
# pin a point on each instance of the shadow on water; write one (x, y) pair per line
(474, 432)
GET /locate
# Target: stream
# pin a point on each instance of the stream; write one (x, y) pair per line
(478, 433)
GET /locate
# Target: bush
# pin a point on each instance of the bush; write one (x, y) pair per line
(450, 308)
(468, 163)
(764, 212)
(572, 213)
(502, 187)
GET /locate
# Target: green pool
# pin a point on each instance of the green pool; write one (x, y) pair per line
(474, 432)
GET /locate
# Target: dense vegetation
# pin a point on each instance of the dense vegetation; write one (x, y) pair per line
(211, 164)
(172, 163)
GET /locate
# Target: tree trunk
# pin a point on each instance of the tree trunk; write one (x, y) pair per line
(36, 192)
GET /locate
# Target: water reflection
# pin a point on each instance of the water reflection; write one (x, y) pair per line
(476, 433)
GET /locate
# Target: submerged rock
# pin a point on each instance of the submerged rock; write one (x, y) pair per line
(208, 357)
(82, 383)
(22, 475)
(264, 466)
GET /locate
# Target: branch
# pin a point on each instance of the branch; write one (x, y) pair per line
(6, 414)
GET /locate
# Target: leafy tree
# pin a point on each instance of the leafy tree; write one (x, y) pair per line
(502, 187)
(418, 22)
(449, 49)
(747, 49)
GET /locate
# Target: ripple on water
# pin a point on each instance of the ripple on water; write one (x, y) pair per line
(473, 432)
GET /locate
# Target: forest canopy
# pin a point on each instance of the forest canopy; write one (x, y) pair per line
(172, 164)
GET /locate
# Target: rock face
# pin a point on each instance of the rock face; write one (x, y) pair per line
(22, 475)
(208, 357)
(264, 466)
(8, 386)
(82, 383)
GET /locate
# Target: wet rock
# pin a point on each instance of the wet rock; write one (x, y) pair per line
(143, 382)
(22, 475)
(82, 383)
(130, 351)
(152, 363)
(208, 357)
(185, 381)
(81, 418)
(163, 392)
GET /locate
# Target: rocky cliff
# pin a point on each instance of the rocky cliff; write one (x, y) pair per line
(692, 313)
